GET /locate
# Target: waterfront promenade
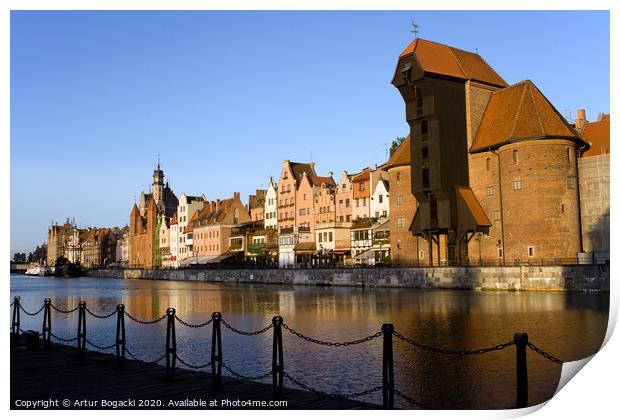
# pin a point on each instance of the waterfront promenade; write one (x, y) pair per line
(58, 374)
(556, 278)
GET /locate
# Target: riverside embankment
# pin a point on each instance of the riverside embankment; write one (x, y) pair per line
(584, 278)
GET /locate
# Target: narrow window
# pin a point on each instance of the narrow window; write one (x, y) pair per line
(562, 208)
(530, 251)
(426, 179)
(497, 215)
(424, 152)
(516, 185)
(419, 103)
(489, 191)
(398, 176)
(488, 164)
(515, 156)
(424, 127)
(568, 155)
(500, 252)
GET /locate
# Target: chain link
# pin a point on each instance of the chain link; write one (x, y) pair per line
(233, 329)
(453, 352)
(100, 316)
(139, 321)
(411, 400)
(130, 354)
(100, 347)
(187, 324)
(544, 354)
(33, 313)
(66, 340)
(329, 395)
(330, 343)
(246, 378)
(184, 363)
(63, 311)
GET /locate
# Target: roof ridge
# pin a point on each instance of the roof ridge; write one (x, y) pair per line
(517, 113)
(458, 63)
(542, 127)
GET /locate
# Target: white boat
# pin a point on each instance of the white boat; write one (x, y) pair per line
(39, 270)
(33, 271)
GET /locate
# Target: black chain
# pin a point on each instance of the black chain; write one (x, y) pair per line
(66, 340)
(101, 316)
(183, 362)
(33, 313)
(330, 343)
(329, 395)
(139, 321)
(100, 347)
(130, 354)
(246, 378)
(453, 352)
(544, 354)
(187, 324)
(63, 311)
(233, 329)
(412, 401)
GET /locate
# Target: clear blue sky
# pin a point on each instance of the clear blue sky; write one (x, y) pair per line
(224, 97)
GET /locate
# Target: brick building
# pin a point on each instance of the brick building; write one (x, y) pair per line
(405, 248)
(483, 156)
(144, 222)
(211, 227)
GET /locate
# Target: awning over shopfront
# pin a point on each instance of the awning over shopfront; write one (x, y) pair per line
(305, 247)
(196, 261)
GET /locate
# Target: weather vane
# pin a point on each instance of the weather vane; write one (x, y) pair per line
(415, 29)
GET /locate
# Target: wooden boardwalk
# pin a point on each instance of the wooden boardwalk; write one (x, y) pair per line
(58, 374)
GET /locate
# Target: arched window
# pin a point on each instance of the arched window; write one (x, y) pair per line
(236, 216)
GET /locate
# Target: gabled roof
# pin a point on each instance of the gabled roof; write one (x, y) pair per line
(319, 180)
(134, 211)
(597, 134)
(363, 175)
(401, 156)
(444, 60)
(299, 168)
(520, 112)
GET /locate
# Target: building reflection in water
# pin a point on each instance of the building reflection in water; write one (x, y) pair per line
(570, 326)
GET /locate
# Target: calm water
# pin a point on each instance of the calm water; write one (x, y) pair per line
(569, 326)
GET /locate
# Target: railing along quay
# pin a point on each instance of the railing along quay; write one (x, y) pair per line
(277, 372)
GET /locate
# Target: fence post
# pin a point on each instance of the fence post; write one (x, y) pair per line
(388, 366)
(81, 332)
(47, 323)
(521, 341)
(171, 345)
(120, 335)
(15, 323)
(216, 349)
(277, 365)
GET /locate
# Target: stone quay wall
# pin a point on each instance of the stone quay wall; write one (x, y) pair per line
(585, 278)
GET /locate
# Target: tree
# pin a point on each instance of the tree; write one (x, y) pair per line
(395, 144)
(19, 258)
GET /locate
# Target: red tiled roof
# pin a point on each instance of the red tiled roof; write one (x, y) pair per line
(401, 156)
(598, 135)
(448, 61)
(520, 112)
(474, 206)
(318, 180)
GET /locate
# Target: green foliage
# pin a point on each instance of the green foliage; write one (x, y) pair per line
(395, 144)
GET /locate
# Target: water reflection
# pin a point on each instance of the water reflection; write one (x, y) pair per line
(570, 326)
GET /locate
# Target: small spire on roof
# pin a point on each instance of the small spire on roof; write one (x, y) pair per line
(415, 31)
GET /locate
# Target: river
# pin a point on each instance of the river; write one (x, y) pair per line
(570, 326)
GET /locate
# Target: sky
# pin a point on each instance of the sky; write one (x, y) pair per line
(224, 97)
